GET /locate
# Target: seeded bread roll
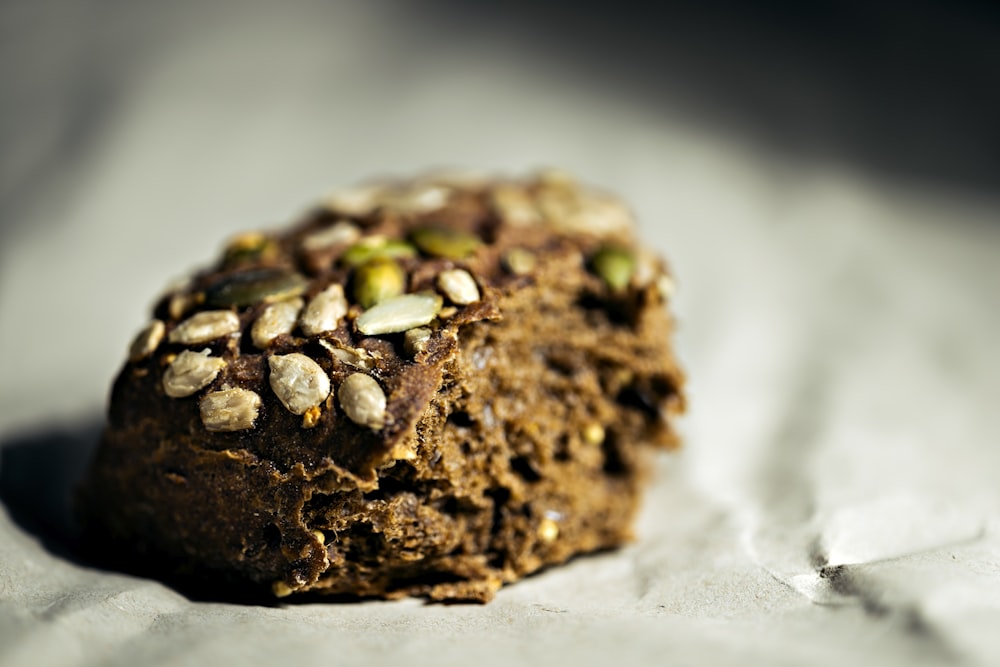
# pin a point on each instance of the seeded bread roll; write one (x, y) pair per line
(426, 388)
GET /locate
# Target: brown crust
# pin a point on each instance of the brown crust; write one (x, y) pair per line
(480, 474)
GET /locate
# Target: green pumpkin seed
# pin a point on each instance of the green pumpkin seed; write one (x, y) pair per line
(249, 248)
(615, 265)
(446, 243)
(378, 279)
(372, 247)
(255, 286)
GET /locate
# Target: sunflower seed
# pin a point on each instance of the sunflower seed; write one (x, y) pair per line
(255, 286)
(229, 409)
(204, 327)
(340, 233)
(459, 286)
(377, 280)
(298, 382)
(358, 201)
(419, 199)
(363, 401)
(147, 340)
(324, 311)
(190, 372)
(514, 205)
(399, 314)
(356, 357)
(519, 261)
(415, 340)
(277, 319)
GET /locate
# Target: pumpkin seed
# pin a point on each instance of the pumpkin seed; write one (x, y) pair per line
(255, 286)
(399, 314)
(377, 280)
(615, 265)
(376, 246)
(249, 248)
(446, 243)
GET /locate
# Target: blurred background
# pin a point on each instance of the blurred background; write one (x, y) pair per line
(824, 178)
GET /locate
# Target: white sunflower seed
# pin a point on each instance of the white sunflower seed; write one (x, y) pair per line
(399, 314)
(277, 319)
(357, 201)
(519, 261)
(147, 340)
(415, 340)
(341, 232)
(419, 199)
(324, 311)
(354, 356)
(205, 326)
(191, 371)
(514, 205)
(459, 286)
(229, 409)
(363, 400)
(298, 382)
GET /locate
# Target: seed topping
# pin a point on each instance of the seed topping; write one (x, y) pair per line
(459, 286)
(363, 401)
(446, 243)
(205, 326)
(399, 314)
(229, 410)
(147, 340)
(339, 233)
(415, 340)
(324, 311)
(378, 279)
(248, 287)
(190, 372)
(519, 261)
(298, 382)
(615, 265)
(371, 247)
(277, 319)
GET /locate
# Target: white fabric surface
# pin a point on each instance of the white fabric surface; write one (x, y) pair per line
(837, 501)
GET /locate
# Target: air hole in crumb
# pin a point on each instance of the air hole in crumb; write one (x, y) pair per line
(523, 467)
(272, 536)
(461, 418)
(614, 464)
(638, 399)
(617, 312)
